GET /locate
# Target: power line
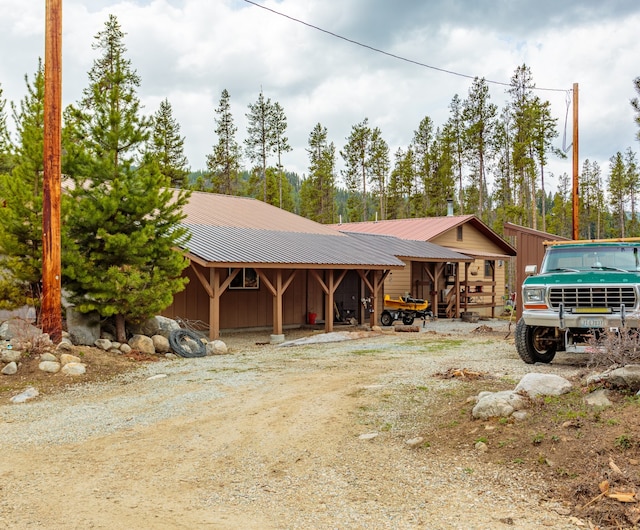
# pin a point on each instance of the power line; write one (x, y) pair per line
(394, 56)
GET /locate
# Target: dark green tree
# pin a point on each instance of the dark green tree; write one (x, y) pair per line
(454, 129)
(356, 172)
(635, 103)
(6, 147)
(21, 192)
(124, 225)
(591, 199)
(479, 116)
(224, 164)
(618, 188)
(379, 166)
(279, 126)
(261, 137)
(422, 145)
(633, 183)
(401, 185)
(319, 188)
(167, 146)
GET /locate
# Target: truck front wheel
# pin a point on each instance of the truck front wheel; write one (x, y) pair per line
(535, 344)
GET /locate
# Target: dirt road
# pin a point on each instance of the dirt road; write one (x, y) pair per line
(267, 438)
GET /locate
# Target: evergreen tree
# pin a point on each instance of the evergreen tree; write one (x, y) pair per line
(480, 121)
(443, 186)
(120, 259)
(618, 190)
(21, 192)
(356, 172)
(633, 183)
(6, 148)
(422, 145)
(318, 190)
(635, 103)
(261, 137)
(281, 146)
(591, 200)
(454, 129)
(167, 146)
(224, 163)
(379, 167)
(401, 185)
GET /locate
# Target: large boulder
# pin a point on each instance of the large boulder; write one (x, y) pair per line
(142, 343)
(17, 328)
(157, 325)
(498, 404)
(543, 385)
(84, 328)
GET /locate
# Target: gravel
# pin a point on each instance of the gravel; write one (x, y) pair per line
(420, 492)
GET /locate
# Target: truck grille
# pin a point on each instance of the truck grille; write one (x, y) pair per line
(610, 297)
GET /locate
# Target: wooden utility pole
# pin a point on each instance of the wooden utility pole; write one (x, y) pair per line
(576, 205)
(51, 315)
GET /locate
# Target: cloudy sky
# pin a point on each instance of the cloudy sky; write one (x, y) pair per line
(190, 50)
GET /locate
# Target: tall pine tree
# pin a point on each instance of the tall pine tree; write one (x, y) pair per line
(167, 146)
(123, 228)
(224, 163)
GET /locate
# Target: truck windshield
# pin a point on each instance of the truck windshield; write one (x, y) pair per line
(606, 257)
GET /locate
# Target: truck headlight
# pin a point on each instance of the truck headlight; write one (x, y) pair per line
(533, 295)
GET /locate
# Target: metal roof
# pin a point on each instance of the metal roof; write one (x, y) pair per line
(235, 245)
(416, 250)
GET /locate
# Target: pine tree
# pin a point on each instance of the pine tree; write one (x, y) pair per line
(591, 201)
(479, 116)
(319, 188)
(120, 258)
(21, 192)
(167, 146)
(618, 190)
(379, 166)
(454, 129)
(224, 164)
(633, 183)
(635, 103)
(422, 145)
(6, 147)
(261, 137)
(281, 145)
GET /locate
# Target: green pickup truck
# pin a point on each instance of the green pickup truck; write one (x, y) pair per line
(582, 288)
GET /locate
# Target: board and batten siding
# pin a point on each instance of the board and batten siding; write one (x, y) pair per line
(398, 282)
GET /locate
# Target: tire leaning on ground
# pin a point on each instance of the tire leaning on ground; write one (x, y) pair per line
(533, 344)
(186, 343)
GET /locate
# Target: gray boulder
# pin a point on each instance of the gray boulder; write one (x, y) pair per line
(16, 328)
(498, 404)
(543, 385)
(84, 328)
(142, 343)
(625, 377)
(161, 344)
(157, 325)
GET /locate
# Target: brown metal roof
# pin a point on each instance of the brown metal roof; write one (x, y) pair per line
(211, 209)
(227, 245)
(424, 229)
(415, 250)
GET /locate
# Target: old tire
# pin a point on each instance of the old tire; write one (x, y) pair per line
(186, 343)
(535, 344)
(407, 320)
(386, 319)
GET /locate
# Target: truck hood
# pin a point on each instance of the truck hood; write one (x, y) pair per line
(605, 277)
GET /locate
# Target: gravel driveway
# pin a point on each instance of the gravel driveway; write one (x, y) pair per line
(305, 436)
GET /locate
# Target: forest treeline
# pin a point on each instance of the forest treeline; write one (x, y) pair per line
(127, 176)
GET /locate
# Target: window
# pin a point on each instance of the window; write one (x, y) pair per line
(245, 279)
(489, 266)
(459, 233)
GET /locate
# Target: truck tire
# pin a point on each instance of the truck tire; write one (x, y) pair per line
(386, 319)
(534, 344)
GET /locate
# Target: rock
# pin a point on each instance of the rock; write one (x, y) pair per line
(598, 398)
(51, 367)
(481, 447)
(66, 358)
(625, 377)
(157, 376)
(25, 395)
(17, 328)
(157, 325)
(125, 348)
(368, 436)
(84, 328)
(498, 404)
(543, 385)
(10, 356)
(161, 344)
(10, 368)
(103, 344)
(74, 368)
(142, 343)
(65, 345)
(415, 442)
(48, 357)
(216, 347)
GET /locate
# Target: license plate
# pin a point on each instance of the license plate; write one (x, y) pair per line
(592, 322)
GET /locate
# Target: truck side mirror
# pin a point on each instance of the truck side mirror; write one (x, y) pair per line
(530, 270)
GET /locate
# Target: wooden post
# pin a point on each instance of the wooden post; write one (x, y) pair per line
(576, 204)
(51, 316)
